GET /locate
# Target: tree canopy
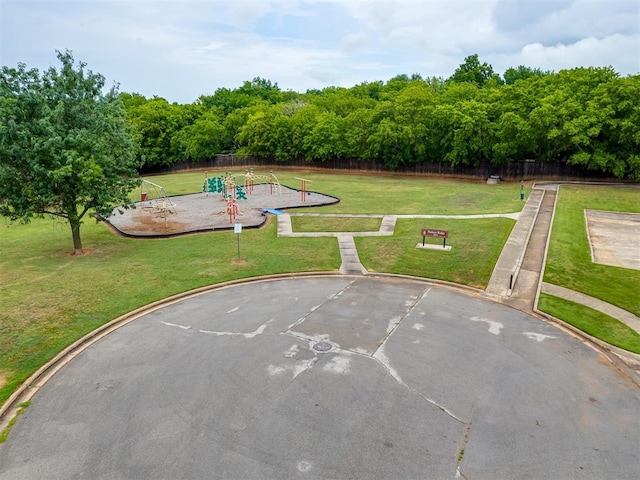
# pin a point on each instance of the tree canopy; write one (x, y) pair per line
(583, 116)
(65, 147)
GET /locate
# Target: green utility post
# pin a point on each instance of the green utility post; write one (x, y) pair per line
(522, 190)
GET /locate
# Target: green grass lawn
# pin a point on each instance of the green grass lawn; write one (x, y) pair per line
(335, 224)
(591, 321)
(476, 245)
(50, 298)
(381, 194)
(569, 258)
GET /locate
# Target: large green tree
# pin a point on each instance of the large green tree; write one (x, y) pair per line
(65, 149)
(472, 71)
(156, 127)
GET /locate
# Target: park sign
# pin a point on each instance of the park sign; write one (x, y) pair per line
(435, 233)
(432, 232)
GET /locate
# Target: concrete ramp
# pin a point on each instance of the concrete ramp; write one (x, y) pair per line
(508, 264)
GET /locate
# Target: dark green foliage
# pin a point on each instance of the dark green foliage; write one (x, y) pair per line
(584, 116)
(65, 149)
(472, 71)
(512, 75)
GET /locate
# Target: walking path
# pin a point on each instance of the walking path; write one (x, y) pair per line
(623, 315)
(351, 264)
(517, 277)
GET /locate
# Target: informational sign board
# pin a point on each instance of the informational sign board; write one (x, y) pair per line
(435, 233)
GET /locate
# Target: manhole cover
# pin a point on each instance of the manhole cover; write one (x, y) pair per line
(322, 346)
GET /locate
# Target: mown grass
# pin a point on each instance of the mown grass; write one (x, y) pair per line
(378, 194)
(335, 224)
(569, 258)
(593, 322)
(50, 299)
(476, 245)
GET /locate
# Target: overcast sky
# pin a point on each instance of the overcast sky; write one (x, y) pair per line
(180, 50)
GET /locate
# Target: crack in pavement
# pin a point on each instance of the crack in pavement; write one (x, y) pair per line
(379, 354)
(465, 441)
(313, 309)
(408, 312)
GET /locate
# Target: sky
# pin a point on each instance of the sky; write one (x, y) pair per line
(182, 49)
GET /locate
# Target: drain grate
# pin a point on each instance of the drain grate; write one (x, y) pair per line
(322, 346)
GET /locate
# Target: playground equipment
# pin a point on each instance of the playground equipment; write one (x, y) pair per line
(231, 192)
(272, 180)
(226, 184)
(154, 197)
(249, 179)
(232, 209)
(303, 188)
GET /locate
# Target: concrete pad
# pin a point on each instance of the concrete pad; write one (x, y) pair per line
(429, 246)
(614, 238)
(420, 381)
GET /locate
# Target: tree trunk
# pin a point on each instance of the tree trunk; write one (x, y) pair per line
(75, 233)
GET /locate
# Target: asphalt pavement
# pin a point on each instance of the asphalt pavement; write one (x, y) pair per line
(332, 377)
(343, 376)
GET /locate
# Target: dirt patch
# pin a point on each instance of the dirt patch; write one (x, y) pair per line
(85, 252)
(198, 212)
(614, 238)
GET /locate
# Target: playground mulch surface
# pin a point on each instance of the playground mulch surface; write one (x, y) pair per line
(183, 214)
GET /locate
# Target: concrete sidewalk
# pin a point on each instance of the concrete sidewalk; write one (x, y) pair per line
(517, 276)
(624, 316)
(350, 260)
(351, 264)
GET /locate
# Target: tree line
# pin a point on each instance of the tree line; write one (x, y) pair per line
(71, 148)
(584, 116)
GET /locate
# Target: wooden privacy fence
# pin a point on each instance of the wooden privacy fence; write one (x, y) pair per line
(516, 170)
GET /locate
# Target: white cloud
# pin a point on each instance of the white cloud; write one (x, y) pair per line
(587, 52)
(182, 49)
(355, 42)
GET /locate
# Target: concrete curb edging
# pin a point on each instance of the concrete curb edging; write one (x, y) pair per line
(32, 384)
